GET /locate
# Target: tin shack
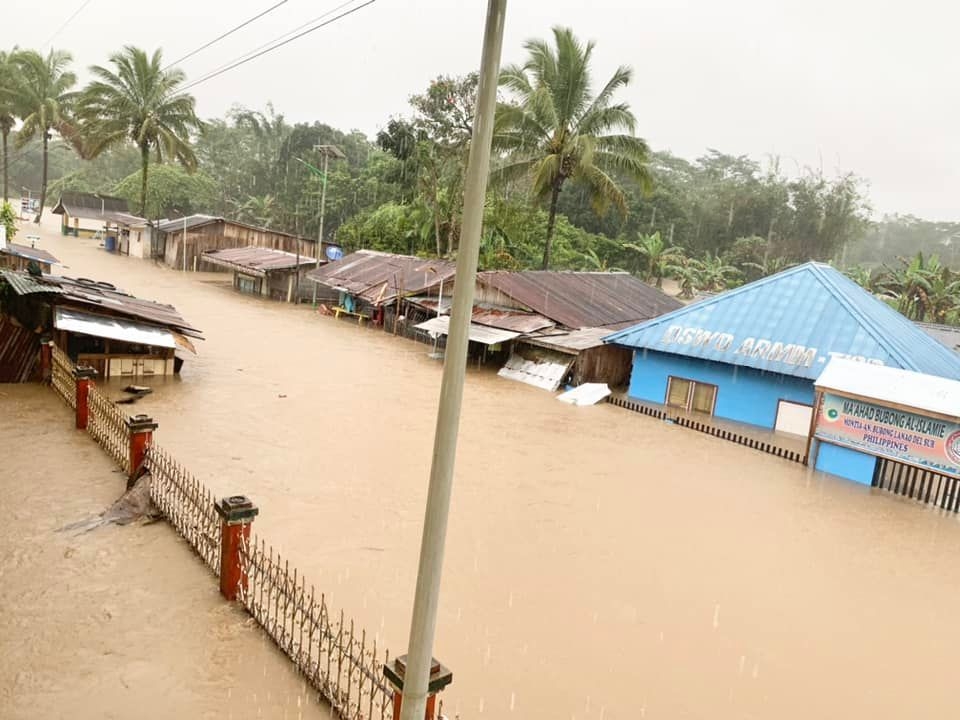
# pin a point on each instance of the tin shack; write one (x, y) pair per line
(274, 274)
(752, 354)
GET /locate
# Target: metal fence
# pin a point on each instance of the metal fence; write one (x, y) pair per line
(61, 377)
(187, 504)
(339, 660)
(108, 426)
(920, 484)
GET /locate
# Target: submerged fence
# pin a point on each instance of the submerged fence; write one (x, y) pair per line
(709, 429)
(340, 660)
(61, 376)
(335, 656)
(926, 486)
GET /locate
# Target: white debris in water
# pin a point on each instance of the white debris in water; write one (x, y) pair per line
(513, 701)
(716, 616)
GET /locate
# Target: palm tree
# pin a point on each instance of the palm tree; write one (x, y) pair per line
(687, 272)
(43, 102)
(258, 209)
(770, 265)
(558, 130)
(9, 79)
(656, 255)
(139, 102)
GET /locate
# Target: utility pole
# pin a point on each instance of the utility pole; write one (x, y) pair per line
(424, 621)
(327, 151)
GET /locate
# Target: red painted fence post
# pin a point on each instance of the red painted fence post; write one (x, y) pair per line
(440, 677)
(236, 516)
(141, 429)
(83, 376)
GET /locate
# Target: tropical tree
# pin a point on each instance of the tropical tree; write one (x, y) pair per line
(9, 79)
(770, 265)
(687, 272)
(715, 273)
(558, 130)
(258, 209)
(44, 101)
(655, 255)
(140, 102)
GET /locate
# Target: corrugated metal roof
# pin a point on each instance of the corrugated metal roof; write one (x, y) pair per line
(927, 393)
(792, 323)
(112, 328)
(546, 372)
(30, 253)
(379, 277)
(478, 333)
(582, 299)
(257, 260)
(945, 334)
(24, 284)
(571, 342)
(198, 220)
(96, 207)
(483, 314)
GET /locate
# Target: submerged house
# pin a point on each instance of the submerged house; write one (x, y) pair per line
(14, 256)
(582, 308)
(86, 214)
(274, 274)
(182, 242)
(373, 285)
(753, 354)
(95, 323)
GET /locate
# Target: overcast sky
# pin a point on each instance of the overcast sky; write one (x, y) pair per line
(846, 85)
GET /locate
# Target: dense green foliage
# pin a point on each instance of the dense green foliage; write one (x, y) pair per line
(8, 218)
(573, 186)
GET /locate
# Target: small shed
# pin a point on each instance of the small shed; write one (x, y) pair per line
(18, 257)
(584, 354)
(874, 422)
(182, 242)
(86, 214)
(274, 274)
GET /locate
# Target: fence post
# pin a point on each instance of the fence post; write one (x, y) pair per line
(46, 361)
(440, 677)
(236, 516)
(84, 376)
(141, 429)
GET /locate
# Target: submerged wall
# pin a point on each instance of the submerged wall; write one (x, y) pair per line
(743, 394)
(845, 462)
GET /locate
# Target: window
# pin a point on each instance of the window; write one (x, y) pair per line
(691, 395)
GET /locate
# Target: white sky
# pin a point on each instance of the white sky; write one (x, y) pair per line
(856, 85)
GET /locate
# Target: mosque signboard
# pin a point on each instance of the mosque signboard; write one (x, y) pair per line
(927, 442)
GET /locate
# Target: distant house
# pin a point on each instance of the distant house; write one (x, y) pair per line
(275, 274)
(584, 307)
(14, 256)
(95, 323)
(209, 232)
(86, 214)
(368, 283)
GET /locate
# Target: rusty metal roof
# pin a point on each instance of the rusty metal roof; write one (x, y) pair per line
(257, 260)
(380, 278)
(570, 342)
(582, 299)
(491, 316)
(30, 253)
(105, 298)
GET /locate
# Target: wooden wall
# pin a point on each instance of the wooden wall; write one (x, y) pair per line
(217, 236)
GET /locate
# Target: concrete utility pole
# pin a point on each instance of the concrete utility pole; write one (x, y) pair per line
(327, 151)
(424, 621)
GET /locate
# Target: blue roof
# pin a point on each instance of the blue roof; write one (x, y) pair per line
(792, 323)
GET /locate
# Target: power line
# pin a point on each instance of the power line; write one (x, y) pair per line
(67, 22)
(228, 33)
(243, 59)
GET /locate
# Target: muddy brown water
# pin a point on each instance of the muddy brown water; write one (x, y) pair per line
(600, 564)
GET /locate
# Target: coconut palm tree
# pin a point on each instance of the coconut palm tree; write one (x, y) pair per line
(9, 80)
(655, 256)
(43, 101)
(138, 101)
(558, 130)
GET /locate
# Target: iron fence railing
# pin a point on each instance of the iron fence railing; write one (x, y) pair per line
(108, 426)
(187, 504)
(61, 377)
(339, 660)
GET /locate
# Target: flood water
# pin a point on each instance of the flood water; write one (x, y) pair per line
(600, 564)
